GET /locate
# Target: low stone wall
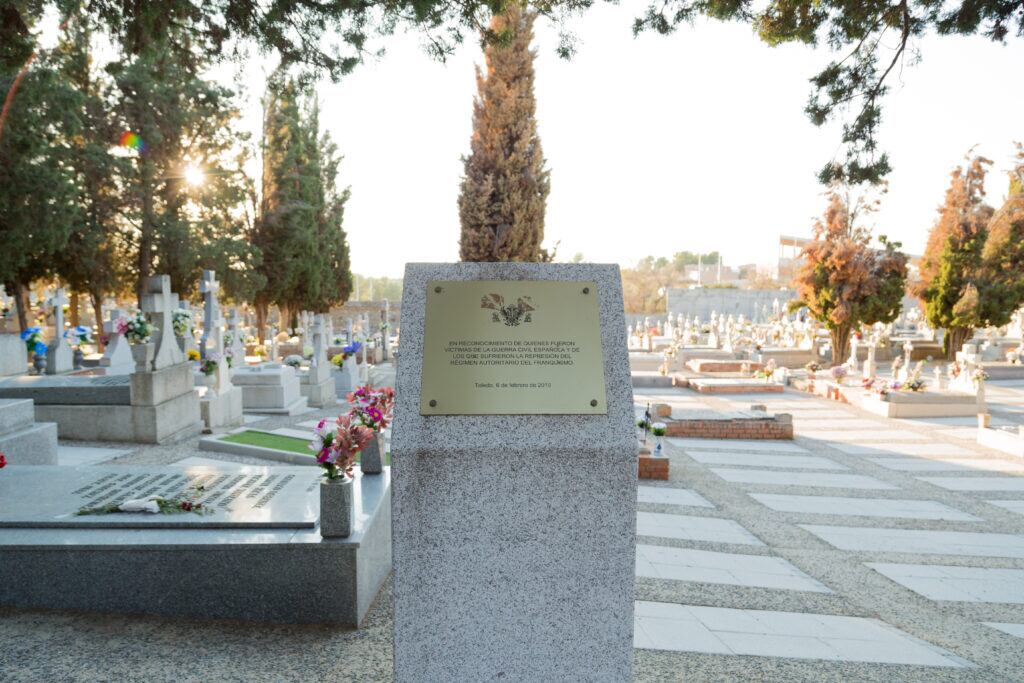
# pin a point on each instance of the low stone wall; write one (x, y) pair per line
(736, 366)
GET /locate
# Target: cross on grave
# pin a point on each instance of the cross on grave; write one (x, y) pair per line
(208, 287)
(58, 356)
(237, 347)
(117, 356)
(319, 347)
(159, 303)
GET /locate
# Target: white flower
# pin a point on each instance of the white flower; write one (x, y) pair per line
(141, 505)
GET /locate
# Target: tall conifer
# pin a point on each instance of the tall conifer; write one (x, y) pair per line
(505, 184)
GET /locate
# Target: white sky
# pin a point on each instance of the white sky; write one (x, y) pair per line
(695, 141)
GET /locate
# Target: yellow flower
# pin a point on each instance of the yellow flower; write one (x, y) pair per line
(193, 354)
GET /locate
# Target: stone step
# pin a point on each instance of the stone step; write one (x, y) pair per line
(16, 414)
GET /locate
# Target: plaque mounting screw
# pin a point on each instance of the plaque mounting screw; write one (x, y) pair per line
(433, 403)
(593, 403)
(438, 289)
(586, 290)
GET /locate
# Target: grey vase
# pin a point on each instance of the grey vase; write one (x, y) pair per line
(39, 362)
(371, 458)
(336, 508)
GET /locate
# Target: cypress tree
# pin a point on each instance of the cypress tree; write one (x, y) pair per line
(505, 184)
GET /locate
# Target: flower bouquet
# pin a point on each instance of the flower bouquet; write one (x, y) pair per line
(839, 373)
(769, 370)
(1013, 356)
(346, 353)
(914, 381)
(336, 447)
(372, 408)
(136, 329)
(658, 429)
(153, 505)
(3, 461)
(812, 367)
(33, 338)
(78, 335)
(192, 354)
(209, 366)
(181, 321)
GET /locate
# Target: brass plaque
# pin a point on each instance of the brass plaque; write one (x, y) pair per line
(512, 347)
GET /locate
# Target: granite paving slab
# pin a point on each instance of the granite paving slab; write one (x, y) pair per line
(702, 566)
(959, 584)
(920, 541)
(795, 462)
(667, 495)
(689, 528)
(977, 483)
(863, 507)
(805, 479)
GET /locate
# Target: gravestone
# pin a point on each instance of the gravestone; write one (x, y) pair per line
(59, 358)
(514, 511)
(237, 347)
(317, 381)
(222, 404)
(12, 355)
(117, 356)
(159, 303)
(262, 532)
(208, 287)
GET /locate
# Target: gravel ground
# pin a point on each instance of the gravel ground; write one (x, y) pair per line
(57, 646)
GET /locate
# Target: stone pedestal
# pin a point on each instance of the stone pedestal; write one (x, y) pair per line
(317, 385)
(514, 535)
(22, 440)
(270, 389)
(221, 409)
(346, 379)
(13, 356)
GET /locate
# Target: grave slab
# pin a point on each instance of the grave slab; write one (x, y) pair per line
(795, 462)
(920, 541)
(493, 568)
(703, 566)
(691, 528)
(806, 479)
(763, 633)
(958, 584)
(666, 495)
(263, 534)
(862, 507)
(13, 356)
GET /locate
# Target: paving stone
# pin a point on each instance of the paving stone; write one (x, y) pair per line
(1011, 629)
(702, 566)
(977, 483)
(768, 446)
(862, 507)
(929, 449)
(806, 479)
(667, 495)
(718, 630)
(798, 462)
(858, 435)
(921, 541)
(955, 464)
(685, 527)
(960, 584)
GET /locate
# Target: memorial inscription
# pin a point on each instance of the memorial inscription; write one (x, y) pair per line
(247, 497)
(518, 347)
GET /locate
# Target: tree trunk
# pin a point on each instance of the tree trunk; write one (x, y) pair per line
(73, 313)
(21, 305)
(954, 340)
(840, 337)
(148, 222)
(261, 321)
(97, 311)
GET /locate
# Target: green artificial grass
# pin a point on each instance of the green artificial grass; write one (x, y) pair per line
(289, 444)
(277, 442)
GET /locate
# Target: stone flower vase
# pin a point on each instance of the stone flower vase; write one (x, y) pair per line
(336, 507)
(371, 458)
(143, 355)
(77, 358)
(39, 362)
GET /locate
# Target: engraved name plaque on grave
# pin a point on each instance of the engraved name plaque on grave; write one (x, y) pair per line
(249, 497)
(521, 347)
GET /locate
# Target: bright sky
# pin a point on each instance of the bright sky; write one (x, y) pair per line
(695, 141)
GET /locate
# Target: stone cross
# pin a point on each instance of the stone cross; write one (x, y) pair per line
(869, 364)
(319, 331)
(852, 361)
(237, 345)
(159, 303)
(908, 350)
(208, 286)
(58, 355)
(348, 330)
(274, 352)
(117, 356)
(386, 324)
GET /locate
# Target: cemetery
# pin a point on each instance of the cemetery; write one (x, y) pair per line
(366, 342)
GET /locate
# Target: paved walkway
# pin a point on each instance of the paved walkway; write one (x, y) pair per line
(865, 550)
